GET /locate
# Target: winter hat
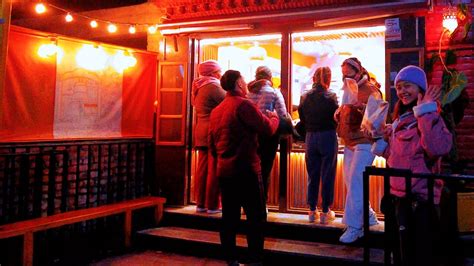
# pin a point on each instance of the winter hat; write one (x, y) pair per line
(414, 75)
(229, 79)
(354, 63)
(322, 76)
(208, 67)
(263, 72)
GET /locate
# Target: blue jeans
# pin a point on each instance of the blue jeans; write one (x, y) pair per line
(321, 161)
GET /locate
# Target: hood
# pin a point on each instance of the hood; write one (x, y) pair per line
(203, 81)
(256, 85)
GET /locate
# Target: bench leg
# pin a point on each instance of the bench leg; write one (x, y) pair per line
(128, 228)
(158, 213)
(28, 242)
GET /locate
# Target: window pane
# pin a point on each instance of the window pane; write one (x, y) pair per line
(170, 129)
(171, 103)
(172, 76)
(311, 50)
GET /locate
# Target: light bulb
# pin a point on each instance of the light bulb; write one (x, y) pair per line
(152, 29)
(40, 8)
(69, 18)
(450, 23)
(93, 24)
(132, 30)
(112, 28)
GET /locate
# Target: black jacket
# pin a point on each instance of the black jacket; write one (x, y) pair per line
(317, 108)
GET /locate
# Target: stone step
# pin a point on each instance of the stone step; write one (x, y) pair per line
(206, 243)
(280, 225)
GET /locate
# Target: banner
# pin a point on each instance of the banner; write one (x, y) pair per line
(82, 91)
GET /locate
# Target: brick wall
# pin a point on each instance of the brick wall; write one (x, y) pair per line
(465, 63)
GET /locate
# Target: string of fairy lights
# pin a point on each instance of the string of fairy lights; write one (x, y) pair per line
(112, 26)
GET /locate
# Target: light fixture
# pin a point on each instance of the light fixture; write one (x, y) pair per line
(91, 58)
(132, 29)
(112, 28)
(69, 18)
(93, 24)
(450, 21)
(257, 53)
(40, 8)
(152, 29)
(51, 49)
(206, 29)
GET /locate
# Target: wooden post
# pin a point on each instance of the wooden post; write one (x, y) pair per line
(28, 242)
(158, 212)
(5, 14)
(128, 228)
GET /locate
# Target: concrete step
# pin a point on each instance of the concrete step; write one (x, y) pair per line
(278, 251)
(280, 225)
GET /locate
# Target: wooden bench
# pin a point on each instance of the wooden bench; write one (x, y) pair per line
(29, 227)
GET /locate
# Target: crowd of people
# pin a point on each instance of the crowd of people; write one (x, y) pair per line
(235, 134)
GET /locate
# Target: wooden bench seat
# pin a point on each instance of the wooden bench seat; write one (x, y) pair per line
(29, 227)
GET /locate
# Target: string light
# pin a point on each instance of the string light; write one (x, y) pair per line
(40, 8)
(69, 18)
(113, 26)
(152, 29)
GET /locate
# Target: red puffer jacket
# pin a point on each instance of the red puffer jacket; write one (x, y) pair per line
(233, 129)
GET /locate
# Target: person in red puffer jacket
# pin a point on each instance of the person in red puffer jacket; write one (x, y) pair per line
(234, 126)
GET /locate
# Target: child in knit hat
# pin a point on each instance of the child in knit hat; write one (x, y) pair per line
(416, 140)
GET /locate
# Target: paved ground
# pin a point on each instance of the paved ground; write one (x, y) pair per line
(150, 257)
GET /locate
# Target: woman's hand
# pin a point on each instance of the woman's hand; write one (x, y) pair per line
(387, 131)
(271, 114)
(432, 94)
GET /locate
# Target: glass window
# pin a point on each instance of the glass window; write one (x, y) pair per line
(245, 54)
(311, 50)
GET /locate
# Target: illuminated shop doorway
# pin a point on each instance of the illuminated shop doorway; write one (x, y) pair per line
(309, 50)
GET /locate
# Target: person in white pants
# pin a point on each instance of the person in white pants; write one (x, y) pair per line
(357, 154)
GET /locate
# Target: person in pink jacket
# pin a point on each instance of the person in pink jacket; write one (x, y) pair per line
(417, 139)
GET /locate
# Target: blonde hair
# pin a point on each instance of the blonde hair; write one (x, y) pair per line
(322, 76)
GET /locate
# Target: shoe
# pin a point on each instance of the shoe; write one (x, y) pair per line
(351, 235)
(313, 216)
(373, 219)
(327, 217)
(199, 209)
(214, 211)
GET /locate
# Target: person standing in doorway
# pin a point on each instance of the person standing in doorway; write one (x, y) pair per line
(357, 153)
(262, 93)
(207, 93)
(233, 131)
(316, 111)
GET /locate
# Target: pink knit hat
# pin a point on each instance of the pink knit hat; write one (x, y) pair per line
(206, 68)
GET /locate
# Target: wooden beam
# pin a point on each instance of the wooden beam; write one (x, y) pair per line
(5, 15)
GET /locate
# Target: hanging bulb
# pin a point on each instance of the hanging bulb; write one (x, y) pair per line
(152, 29)
(132, 29)
(69, 18)
(112, 28)
(40, 8)
(94, 24)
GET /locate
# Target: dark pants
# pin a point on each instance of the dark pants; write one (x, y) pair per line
(247, 192)
(418, 231)
(321, 160)
(267, 149)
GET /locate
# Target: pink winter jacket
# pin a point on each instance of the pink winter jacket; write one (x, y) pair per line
(418, 141)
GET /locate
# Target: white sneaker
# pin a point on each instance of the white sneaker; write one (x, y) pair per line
(313, 216)
(214, 211)
(351, 235)
(327, 217)
(373, 219)
(199, 209)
